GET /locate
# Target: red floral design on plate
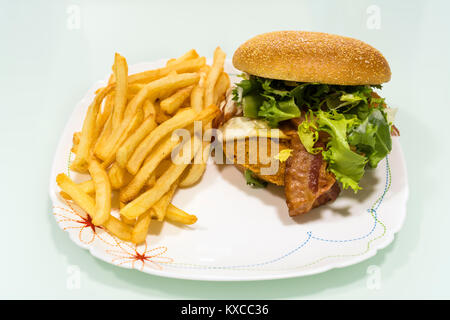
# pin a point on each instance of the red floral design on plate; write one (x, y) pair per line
(139, 256)
(75, 218)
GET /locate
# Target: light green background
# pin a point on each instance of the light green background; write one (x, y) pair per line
(46, 68)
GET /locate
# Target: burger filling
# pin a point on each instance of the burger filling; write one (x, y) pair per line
(349, 126)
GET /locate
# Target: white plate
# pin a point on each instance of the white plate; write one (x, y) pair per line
(244, 233)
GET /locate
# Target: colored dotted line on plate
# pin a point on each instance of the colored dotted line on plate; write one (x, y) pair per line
(372, 211)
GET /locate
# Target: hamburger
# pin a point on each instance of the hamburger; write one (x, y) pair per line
(316, 97)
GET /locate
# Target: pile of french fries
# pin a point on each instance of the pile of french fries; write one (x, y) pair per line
(126, 142)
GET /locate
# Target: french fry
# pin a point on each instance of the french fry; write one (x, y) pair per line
(88, 133)
(128, 147)
(134, 124)
(172, 103)
(177, 215)
(125, 142)
(103, 116)
(106, 150)
(118, 228)
(160, 207)
(146, 200)
(162, 167)
(198, 93)
(197, 169)
(134, 88)
(130, 222)
(145, 147)
(221, 87)
(137, 183)
(82, 199)
(116, 176)
(213, 75)
(102, 193)
(180, 120)
(76, 137)
(120, 69)
(140, 228)
(192, 65)
(191, 54)
(87, 203)
(151, 181)
(194, 173)
(149, 109)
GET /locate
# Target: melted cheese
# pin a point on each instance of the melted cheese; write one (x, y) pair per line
(242, 127)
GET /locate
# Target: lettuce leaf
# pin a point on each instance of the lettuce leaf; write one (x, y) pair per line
(308, 134)
(372, 137)
(274, 111)
(347, 165)
(253, 180)
(354, 118)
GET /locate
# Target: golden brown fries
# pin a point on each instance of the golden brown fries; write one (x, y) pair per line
(160, 207)
(140, 228)
(129, 135)
(162, 151)
(88, 134)
(177, 215)
(191, 54)
(172, 103)
(128, 147)
(180, 120)
(118, 228)
(213, 75)
(146, 200)
(117, 176)
(221, 88)
(102, 193)
(82, 199)
(120, 69)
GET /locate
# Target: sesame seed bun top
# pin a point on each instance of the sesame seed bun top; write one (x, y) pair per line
(312, 57)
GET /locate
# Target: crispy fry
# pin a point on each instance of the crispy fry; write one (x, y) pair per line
(197, 169)
(198, 93)
(102, 193)
(194, 173)
(108, 105)
(221, 87)
(128, 147)
(180, 120)
(177, 215)
(82, 199)
(149, 109)
(140, 228)
(87, 203)
(172, 103)
(192, 65)
(120, 69)
(118, 228)
(107, 149)
(126, 139)
(162, 167)
(160, 207)
(146, 200)
(88, 133)
(76, 138)
(161, 152)
(213, 75)
(151, 181)
(191, 54)
(116, 175)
